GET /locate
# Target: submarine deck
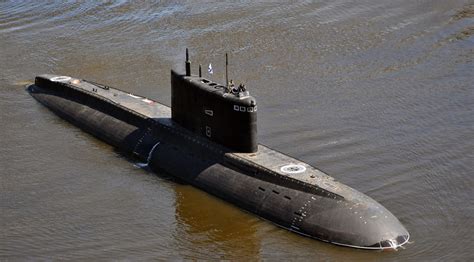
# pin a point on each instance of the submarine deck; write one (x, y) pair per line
(265, 158)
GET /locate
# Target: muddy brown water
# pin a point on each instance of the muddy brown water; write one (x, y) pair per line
(378, 94)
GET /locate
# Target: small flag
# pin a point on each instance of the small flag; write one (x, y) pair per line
(209, 69)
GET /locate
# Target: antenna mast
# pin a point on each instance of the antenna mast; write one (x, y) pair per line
(188, 64)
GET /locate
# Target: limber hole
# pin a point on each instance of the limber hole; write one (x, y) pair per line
(298, 213)
(261, 188)
(276, 192)
(287, 197)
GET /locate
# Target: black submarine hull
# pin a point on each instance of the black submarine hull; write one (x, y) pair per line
(142, 128)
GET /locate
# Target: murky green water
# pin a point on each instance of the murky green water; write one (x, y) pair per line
(378, 94)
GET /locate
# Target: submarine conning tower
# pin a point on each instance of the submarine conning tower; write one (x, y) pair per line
(226, 115)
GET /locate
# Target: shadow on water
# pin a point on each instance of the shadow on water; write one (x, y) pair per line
(213, 228)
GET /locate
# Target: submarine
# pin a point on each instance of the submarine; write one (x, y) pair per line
(208, 139)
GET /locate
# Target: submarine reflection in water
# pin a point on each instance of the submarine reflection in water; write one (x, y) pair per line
(212, 227)
(208, 138)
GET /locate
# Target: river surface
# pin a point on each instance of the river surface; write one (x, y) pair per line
(378, 94)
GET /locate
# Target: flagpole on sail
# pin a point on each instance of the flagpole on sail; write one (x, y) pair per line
(226, 71)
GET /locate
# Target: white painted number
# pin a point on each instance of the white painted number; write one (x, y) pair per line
(209, 112)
